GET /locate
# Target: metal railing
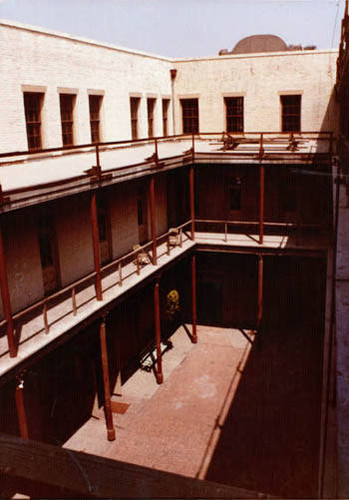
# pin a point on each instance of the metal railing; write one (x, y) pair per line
(118, 265)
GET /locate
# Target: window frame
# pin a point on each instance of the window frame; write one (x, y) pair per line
(190, 115)
(67, 118)
(134, 110)
(234, 114)
(151, 103)
(95, 117)
(291, 118)
(33, 104)
(165, 108)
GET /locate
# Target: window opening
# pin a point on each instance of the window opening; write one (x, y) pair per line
(95, 102)
(67, 109)
(32, 107)
(291, 113)
(165, 106)
(150, 108)
(190, 115)
(234, 107)
(134, 105)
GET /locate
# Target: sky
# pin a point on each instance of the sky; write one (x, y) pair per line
(184, 28)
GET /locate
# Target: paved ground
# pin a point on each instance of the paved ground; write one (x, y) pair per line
(229, 411)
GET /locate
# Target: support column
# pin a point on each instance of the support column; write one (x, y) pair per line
(193, 298)
(261, 203)
(152, 217)
(260, 291)
(106, 381)
(6, 302)
(95, 240)
(159, 374)
(192, 201)
(22, 419)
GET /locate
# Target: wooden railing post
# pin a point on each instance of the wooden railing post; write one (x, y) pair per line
(225, 232)
(159, 374)
(20, 407)
(120, 274)
(44, 313)
(73, 298)
(152, 217)
(95, 241)
(106, 380)
(5, 295)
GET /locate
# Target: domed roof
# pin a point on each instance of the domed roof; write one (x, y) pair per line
(259, 43)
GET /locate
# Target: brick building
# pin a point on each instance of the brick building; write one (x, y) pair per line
(132, 184)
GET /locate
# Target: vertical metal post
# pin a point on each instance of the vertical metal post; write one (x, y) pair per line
(95, 241)
(6, 302)
(106, 381)
(152, 217)
(192, 201)
(159, 374)
(193, 298)
(22, 419)
(261, 203)
(260, 291)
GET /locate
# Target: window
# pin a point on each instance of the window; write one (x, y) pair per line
(32, 107)
(235, 194)
(234, 108)
(190, 115)
(134, 105)
(165, 106)
(150, 109)
(291, 113)
(67, 109)
(95, 102)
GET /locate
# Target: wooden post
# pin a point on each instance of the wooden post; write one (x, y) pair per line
(73, 298)
(193, 297)
(192, 201)
(159, 374)
(261, 203)
(44, 312)
(95, 241)
(260, 291)
(152, 217)
(106, 381)
(6, 302)
(22, 419)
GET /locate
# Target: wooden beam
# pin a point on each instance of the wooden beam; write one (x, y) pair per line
(192, 200)
(6, 301)
(95, 242)
(85, 475)
(260, 291)
(21, 414)
(152, 217)
(261, 203)
(106, 381)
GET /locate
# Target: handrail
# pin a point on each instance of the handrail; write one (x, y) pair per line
(44, 302)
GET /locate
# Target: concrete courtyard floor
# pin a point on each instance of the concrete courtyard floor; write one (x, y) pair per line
(199, 423)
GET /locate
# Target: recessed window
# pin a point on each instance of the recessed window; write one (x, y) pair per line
(150, 109)
(291, 113)
(67, 110)
(134, 105)
(190, 115)
(95, 102)
(235, 190)
(33, 102)
(165, 106)
(234, 109)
